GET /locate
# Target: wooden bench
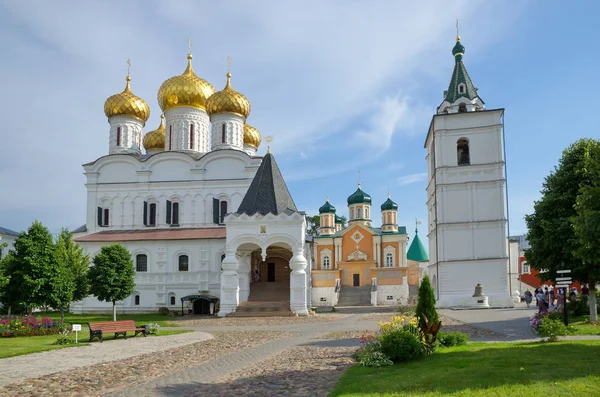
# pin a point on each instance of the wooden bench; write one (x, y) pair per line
(97, 330)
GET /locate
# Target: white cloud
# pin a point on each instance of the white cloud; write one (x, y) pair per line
(412, 178)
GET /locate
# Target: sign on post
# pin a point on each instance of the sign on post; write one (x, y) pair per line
(76, 328)
(563, 271)
(563, 279)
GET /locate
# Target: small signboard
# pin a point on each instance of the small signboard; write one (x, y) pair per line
(563, 271)
(563, 279)
(563, 284)
(76, 328)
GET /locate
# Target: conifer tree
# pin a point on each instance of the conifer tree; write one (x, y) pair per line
(426, 303)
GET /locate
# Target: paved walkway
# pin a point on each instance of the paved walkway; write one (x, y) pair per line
(34, 365)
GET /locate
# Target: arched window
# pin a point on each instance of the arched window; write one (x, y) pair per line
(223, 205)
(223, 133)
(351, 213)
(118, 136)
(389, 260)
(462, 152)
(326, 262)
(367, 212)
(462, 108)
(172, 213)
(141, 263)
(149, 214)
(170, 136)
(172, 299)
(461, 88)
(191, 136)
(359, 212)
(184, 263)
(137, 300)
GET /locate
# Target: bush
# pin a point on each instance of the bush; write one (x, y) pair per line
(64, 338)
(403, 344)
(406, 310)
(578, 307)
(448, 339)
(369, 354)
(552, 329)
(153, 329)
(163, 310)
(426, 304)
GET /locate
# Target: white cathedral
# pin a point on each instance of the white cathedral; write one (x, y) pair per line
(203, 216)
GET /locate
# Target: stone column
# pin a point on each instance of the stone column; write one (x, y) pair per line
(230, 283)
(244, 274)
(298, 283)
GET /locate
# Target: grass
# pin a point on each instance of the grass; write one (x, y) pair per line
(583, 326)
(479, 369)
(164, 320)
(10, 347)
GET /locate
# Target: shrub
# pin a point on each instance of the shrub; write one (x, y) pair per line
(64, 338)
(425, 309)
(552, 329)
(448, 339)
(407, 309)
(163, 310)
(402, 344)
(153, 329)
(370, 355)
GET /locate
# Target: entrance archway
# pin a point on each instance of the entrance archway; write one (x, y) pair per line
(270, 280)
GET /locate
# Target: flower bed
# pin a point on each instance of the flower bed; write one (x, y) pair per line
(549, 325)
(28, 326)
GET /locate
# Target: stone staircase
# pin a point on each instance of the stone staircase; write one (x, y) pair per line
(355, 296)
(266, 300)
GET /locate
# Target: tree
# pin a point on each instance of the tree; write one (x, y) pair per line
(4, 278)
(586, 224)
(36, 278)
(313, 224)
(111, 275)
(554, 243)
(70, 256)
(344, 221)
(426, 304)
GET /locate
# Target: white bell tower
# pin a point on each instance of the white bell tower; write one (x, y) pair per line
(466, 197)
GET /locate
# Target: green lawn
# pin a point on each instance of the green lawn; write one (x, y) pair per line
(480, 369)
(10, 347)
(583, 327)
(163, 320)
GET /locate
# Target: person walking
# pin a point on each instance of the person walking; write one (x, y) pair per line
(528, 297)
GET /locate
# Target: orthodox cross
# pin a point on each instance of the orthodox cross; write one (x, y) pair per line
(269, 139)
(228, 64)
(128, 66)
(457, 36)
(359, 178)
(189, 45)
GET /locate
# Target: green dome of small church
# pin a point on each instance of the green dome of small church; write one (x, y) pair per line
(359, 197)
(389, 205)
(416, 251)
(338, 220)
(327, 208)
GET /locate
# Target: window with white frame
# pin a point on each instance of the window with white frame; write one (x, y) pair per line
(326, 263)
(184, 263)
(367, 212)
(359, 212)
(525, 268)
(389, 259)
(136, 300)
(141, 263)
(103, 216)
(172, 217)
(172, 299)
(462, 88)
(149, 213)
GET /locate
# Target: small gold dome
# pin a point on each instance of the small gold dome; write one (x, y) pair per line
(185, 90)
(155, 140)
(127, 104)
(228, 101)
(251, 136)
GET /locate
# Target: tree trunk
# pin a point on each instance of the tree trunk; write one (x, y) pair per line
(592, 302)
(114, 311)
(9, 310)
(62, 314)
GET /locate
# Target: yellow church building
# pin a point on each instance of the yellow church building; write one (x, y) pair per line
(360, 264)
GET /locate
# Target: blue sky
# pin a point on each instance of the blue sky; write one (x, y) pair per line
(340, 85)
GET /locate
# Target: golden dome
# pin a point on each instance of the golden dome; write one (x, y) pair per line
(155, 140)
(127, 104)
(185, 90)
(228, 101)
(251, 136)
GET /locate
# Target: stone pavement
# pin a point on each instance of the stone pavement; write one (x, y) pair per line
(34, 365)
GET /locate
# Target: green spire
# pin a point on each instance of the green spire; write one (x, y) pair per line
(416, 251)
(460, 84)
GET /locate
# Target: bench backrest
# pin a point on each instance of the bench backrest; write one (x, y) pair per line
(112, 325)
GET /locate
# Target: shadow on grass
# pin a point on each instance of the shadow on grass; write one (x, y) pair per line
(509, 369)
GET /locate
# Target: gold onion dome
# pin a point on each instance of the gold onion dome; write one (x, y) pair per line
(127, 104)
(156, 139)
(251, 136)
(228, 101)
(185, 90)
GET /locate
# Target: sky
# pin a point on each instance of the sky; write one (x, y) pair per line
(341, 86)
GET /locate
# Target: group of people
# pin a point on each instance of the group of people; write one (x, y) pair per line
(546, 299)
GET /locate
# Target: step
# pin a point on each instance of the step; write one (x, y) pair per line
(279, 313)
